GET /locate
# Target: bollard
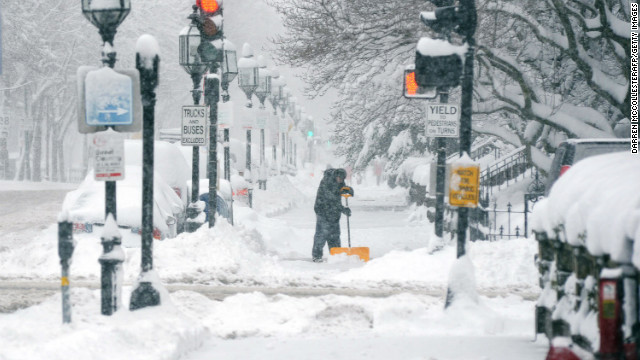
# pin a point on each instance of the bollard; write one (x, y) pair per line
(111, 267)
(65, 251)
(195, 216)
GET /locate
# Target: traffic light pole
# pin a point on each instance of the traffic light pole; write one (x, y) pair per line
(441, 168)
(469, 7)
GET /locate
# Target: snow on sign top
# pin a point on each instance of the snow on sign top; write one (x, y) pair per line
(464, 160)
(437, 47)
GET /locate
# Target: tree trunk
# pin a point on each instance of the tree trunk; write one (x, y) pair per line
(37, 142)
(63, 175)
(55, 149)
(47, 146)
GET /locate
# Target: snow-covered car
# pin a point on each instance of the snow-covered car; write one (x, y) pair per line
(170, 165)
(86, 205)
(224, 199)
(586, 230)
(573, 150)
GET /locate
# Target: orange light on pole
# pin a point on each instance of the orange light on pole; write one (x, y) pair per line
(411, 89)
(411, 86)
(208, 6)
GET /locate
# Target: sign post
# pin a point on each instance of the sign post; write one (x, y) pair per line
(439, 125)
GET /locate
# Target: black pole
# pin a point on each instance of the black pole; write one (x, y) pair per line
(248, 163)
(227, 156)
(469, 9)
(441, 171)
(284, 145)
(144, 294)
(194, 210)
(212, 96)
(147, 178)
(65, 252)
(109, 265)
(262, 145)
(110, 198)
(195, 165)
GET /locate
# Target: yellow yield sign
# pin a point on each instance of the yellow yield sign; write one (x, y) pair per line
(464, 185)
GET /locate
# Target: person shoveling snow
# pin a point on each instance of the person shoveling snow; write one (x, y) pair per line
(328, 208)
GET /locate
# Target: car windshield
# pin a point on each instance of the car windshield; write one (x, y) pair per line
(598, 149)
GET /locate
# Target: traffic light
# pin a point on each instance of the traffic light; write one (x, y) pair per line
(310, 133)
(443, 20)
(438, 63)
(447, 18)
(412, 90)
(210, 24)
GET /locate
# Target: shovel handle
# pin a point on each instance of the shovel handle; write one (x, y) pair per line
(348, 227)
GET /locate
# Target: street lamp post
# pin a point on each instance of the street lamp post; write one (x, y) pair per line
(229, 72)
(277, 89)
(248, 78)
(147, 63)
(190, 40)
(262, 92)
(107, 16)
(284, 103)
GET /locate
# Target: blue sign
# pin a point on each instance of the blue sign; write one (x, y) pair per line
(108, 98)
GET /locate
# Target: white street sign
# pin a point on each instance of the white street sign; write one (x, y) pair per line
(261, 119)
(443, 120)
(194, 125)
(225, 115)
(108, 156)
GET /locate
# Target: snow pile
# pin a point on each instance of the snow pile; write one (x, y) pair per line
(597, 205)
(222, 255)
(191, 326)
(505, 264)
(37, 332)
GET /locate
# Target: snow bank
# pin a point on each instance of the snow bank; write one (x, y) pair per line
(37, 332)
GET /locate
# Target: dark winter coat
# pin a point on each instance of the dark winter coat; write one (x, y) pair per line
(328, 201)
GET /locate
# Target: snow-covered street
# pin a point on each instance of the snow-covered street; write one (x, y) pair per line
(235, 289)
(312, 180)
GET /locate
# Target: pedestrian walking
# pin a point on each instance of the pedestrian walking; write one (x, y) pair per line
(328, 208)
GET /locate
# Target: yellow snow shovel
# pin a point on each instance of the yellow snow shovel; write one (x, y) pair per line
(361, 252)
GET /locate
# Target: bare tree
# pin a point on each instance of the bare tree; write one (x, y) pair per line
(547, 70)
